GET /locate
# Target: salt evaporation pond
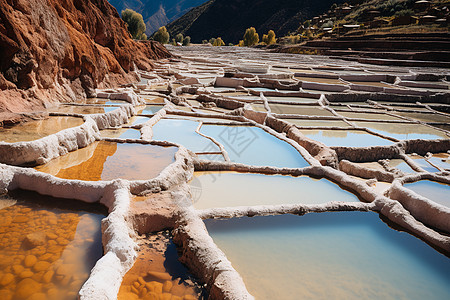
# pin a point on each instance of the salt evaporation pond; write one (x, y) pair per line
(401, 165)
(442, 160)
(183, 132)
(83, 109)
(435, 191)
(122, 133)
(48, 246)
(294, 109)
(254, 146)
(404, 131)
(33, 130)
(212, 189)
(107, 161)
(421, 162)
(425, 117)
(137, 120)
(316, 123)
(334, 255)
(157, 273)
(292, 99)
(345, 138)
(369, 116)
(152, 109)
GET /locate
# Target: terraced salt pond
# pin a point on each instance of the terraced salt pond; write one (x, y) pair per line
(122, 133)
(211, 189)
(164, 278)
(441, 160)
(316, 123)
(404, 131)
(421, 162)
(108, 161)
(254, 146)
(401, 165)
(33, 130)
(183, 132)
(292, 99)
(137, 120)
(435, 191)
(83, 109)
(151, 109)
(345, 138)
(425, 117)
(48, 246)
(347, 255)
(294, 109)
(370, 116)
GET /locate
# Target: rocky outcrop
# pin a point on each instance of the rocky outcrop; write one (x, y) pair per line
(62, 50)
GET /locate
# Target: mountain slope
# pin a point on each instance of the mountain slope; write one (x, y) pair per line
(157, 13)
(229, 18)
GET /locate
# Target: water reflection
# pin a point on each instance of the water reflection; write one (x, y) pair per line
(345, 138)
(254, 146)
(37, 129)
(108, 160)
(435, 191)
(211, 189)
(348, 255)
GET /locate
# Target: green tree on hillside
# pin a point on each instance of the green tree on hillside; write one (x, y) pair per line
(251, 37)
(179, 38)
(135, 22)
(269, 38)
(218, 42)
(162, 35)
(187, 41)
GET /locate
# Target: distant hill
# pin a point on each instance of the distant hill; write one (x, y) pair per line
(229, 18)
(157, 13)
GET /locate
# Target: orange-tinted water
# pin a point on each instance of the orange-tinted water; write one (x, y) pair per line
(157, 273)
(108, 160)
(46, 253)
(33, 130)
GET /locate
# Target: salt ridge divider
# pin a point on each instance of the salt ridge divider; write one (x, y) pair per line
(43, 150)
(424, 209)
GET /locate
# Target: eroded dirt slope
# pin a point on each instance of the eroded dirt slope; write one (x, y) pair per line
(61, 50)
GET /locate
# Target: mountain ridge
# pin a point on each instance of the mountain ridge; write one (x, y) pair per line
(157, 13)
(229, 18)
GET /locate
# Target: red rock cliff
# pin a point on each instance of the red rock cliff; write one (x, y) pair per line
(61, 50)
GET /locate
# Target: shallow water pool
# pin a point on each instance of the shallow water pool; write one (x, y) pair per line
(83, 109)
(345, 138)
(212, 189)
(435, 191)
(151, 109)
(183, 132)
(122, 133)
(33, 130)
(254, 146)
(157, 273)
(316, 123)
(47, 250)
(107, 161)
(335, 255)
(404, 131)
